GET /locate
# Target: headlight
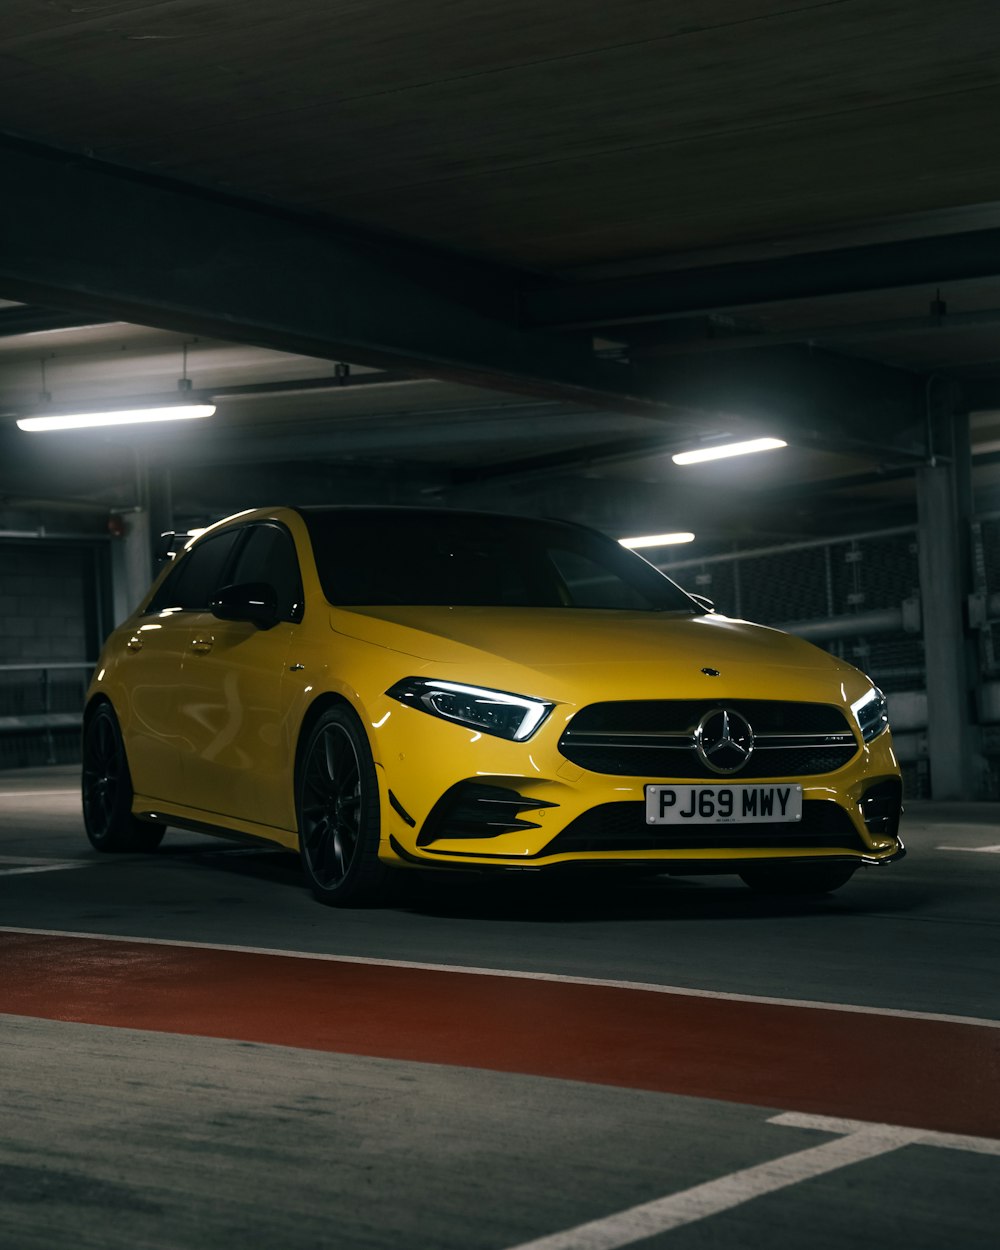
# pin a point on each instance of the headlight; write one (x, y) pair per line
(871, 713)
(496, 712)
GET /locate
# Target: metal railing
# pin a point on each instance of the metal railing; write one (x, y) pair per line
(42, 702)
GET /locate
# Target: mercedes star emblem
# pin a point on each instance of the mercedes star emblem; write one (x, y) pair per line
(723, 740)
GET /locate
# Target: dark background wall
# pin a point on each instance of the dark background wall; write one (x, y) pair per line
(53, 617)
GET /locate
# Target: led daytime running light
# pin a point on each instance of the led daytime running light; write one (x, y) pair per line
(534, 710)
(871, 713)
(432, 696)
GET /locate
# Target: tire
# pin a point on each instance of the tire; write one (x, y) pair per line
(338, 813)
(106, 786)
(798, 878)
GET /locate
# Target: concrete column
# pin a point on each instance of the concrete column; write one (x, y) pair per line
(131, 565)
(160, 502)
(952, 737)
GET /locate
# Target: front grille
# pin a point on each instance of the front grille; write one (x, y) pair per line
(655, 738)
(768, 716)
(622, 827)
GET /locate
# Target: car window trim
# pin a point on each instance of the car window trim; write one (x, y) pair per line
(270, 523)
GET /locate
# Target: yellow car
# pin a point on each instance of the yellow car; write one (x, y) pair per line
(380, 687)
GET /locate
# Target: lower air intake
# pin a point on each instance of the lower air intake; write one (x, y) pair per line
(473, 809)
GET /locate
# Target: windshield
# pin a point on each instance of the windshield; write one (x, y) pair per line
(369, 557)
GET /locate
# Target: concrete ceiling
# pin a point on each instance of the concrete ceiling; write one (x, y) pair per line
(604, 230)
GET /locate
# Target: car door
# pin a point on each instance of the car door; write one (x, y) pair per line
(150, 670)
(238, 762)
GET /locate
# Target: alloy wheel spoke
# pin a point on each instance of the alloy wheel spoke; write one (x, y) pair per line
(101, 774)
(331, 806)
(338, 854)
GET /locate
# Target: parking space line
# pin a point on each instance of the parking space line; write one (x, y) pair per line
(690, 1205)
(38, 794)
(25, 859)
(981, 850)
(832, 1124)
(13, 870)
(858, 1141)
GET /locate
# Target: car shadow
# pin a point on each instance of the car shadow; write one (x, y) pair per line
(563, 898)
(572, 900)
(245, 859)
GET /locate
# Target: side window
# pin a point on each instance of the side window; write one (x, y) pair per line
(268, 555)
(197, 576)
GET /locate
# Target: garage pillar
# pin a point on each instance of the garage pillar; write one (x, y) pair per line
(134, 563)
(943, 502)
(160, 502)
(131, 564)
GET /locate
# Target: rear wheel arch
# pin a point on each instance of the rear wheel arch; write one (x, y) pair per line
(106, 786)
(93, 704)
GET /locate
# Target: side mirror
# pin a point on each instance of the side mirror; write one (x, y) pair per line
(702, 602)
(256, 602)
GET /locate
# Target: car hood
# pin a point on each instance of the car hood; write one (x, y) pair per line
(628, 654)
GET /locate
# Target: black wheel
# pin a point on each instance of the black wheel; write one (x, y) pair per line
(798, 878)
(107, 790)
(338, 810)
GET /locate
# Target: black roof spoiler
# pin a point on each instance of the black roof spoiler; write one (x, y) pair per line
(170, 543)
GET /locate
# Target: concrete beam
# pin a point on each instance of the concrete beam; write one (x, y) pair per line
(808, 396)
(82, 234)
(927, 262)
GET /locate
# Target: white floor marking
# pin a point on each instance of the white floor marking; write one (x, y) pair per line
(690, 1205)
(516, 975)
(928, 1137)
(47, 866)
(987, 850)
(38, 794)
(858, 1141)
(29, 859)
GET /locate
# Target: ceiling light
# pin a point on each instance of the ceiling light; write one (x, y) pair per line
(656, 540)
(116, 416)
(184, 404)
(722, 450)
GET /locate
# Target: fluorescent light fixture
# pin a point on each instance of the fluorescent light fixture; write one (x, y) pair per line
(120, 416)
(656, 540)
(722, 450)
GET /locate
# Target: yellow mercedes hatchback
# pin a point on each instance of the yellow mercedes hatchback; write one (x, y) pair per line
(379, 687)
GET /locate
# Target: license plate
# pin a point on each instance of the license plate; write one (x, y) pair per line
(722, 805)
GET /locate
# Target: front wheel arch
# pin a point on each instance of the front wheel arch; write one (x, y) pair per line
(338, 807)
(321, 704)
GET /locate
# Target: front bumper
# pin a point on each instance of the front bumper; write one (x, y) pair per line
(452, 798)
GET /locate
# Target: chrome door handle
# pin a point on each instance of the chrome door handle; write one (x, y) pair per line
(134, 643)
(202, 646)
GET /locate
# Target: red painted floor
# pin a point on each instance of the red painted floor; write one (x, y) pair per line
(928, 1074)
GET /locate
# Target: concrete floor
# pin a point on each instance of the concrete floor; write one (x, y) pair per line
(163, 1136)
